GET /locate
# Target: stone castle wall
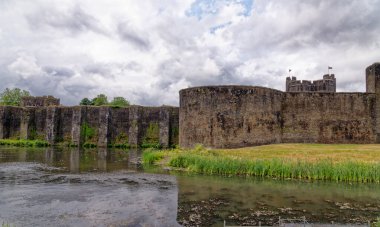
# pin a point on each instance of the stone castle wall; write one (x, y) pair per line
(230, 116)
(239, 116)
(328, 118)
(103, 126)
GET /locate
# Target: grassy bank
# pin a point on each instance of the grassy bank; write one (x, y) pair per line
(42, 143)
(350, 163)
(23, 143)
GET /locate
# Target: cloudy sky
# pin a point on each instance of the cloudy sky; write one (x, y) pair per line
(148, 50)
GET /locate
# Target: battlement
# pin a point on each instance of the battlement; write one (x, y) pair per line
(327, 84)
(41, 101)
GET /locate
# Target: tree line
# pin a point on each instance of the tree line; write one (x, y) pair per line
(102, 100)
(13, 97)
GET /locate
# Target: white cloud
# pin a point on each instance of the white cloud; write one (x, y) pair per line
(148, 50)
(25, 66)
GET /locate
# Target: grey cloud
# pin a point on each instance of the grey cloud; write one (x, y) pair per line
(100, 69)
(79, 89)
(132, 36)
(75, 20)
(58, 71)
(134, 66)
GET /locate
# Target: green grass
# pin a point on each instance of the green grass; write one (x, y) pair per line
(151, 156)
(376, 223)
(348, 163)
(24, 143)
(308, 152)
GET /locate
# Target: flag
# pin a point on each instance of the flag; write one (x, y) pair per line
(330, 67)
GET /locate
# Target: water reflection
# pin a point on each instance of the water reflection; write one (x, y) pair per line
(74, 161)
(75, 187)
(241, 201)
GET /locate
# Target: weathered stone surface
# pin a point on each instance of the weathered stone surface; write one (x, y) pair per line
(164, 126)
(230, 116)
(3, 129)
(119, 126)
(239, 116)
(65, 124)
(42, 101)
(27, 128)
(104, 124)
(373, 86)
(52, 121)
(328, 118)
(135, 125)
(100, 126)
(77, 120)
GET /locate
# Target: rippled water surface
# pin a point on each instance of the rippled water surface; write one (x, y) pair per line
(72, 187)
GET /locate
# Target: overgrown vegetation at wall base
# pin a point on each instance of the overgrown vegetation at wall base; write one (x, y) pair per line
(377, 223)
(204, 161)
(24, 143)
(151, 156)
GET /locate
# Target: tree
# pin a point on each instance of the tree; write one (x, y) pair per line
(119, 102)
(100, 100)
(12, 97)
(86, 102)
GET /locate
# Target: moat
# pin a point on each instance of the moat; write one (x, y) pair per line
(100, 187)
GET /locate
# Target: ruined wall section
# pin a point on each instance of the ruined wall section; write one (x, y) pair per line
(174, 126)
(64, 124)
(40, 101)
(328, 118)
(229, 116)
(92, 126)
(119, 126)
(10, 124)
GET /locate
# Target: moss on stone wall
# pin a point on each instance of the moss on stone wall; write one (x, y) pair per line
(174, 134)
(88, 133)
(121, 141)
(152, 135)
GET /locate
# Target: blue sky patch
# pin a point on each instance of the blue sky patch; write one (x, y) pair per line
(202, 7)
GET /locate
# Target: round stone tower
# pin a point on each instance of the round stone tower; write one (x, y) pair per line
(229, 116)
(373, 86)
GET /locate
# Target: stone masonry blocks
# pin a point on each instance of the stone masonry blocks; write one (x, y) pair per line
(78, 117)
(104, 124)
(27, 123)
(135, 125)
(52, 119)
(164, 126)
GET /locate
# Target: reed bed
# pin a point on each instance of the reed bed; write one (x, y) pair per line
(347, 163)
(347, 171)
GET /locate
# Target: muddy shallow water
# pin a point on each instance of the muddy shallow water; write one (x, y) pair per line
(72, 187)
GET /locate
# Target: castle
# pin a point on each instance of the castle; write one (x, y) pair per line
(327, 84)
(308, 112)
(215, 116)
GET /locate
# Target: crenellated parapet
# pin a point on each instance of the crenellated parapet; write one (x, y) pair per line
(39, 101)
(327, 84)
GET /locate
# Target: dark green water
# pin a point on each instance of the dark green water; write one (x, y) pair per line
(72, 187)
